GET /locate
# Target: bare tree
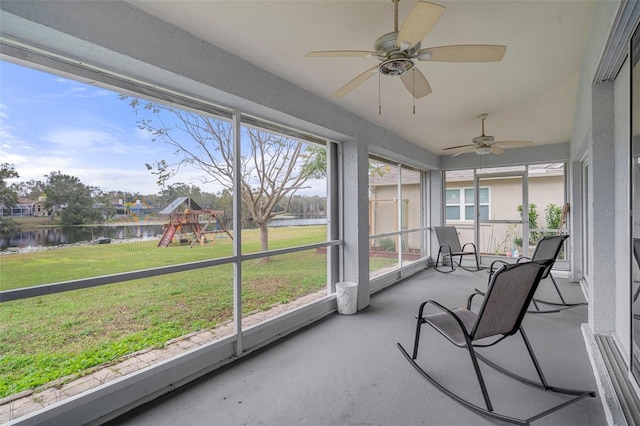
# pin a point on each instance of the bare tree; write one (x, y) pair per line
(272, 167)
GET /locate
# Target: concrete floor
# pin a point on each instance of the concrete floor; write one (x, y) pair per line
(347, 370)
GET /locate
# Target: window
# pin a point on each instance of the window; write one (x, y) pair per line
(396, 216)
(459, 197)
(151, 250)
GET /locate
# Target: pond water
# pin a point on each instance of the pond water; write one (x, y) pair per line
(43, 237)
(57, 236)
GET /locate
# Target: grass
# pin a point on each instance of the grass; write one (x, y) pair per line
(70, 263)
(49, 337)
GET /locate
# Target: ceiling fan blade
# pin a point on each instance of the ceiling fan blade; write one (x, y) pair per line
(356, 82)
(463, 53)
(418, 23)
(459, 146)
(416, 83)
(468, 149)
(496, 150)
(339, 53)
(514, 143)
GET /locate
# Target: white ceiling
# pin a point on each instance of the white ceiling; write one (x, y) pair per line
(529, 95)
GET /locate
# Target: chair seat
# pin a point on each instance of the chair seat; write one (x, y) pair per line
(458, 253)
(449, 327)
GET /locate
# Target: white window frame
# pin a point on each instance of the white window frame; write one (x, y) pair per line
(464, 203)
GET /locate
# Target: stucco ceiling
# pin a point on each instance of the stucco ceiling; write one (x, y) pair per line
(529, 95)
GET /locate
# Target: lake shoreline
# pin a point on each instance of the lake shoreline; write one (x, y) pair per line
(33, 249)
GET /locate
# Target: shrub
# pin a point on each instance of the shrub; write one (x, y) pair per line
(533, 224)
(387, 244)
(7, 225)
(552, 215)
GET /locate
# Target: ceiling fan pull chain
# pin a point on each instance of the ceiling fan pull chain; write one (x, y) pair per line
(379, 97)
(413, 89)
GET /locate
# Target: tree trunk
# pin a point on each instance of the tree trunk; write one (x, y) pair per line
(264, 240)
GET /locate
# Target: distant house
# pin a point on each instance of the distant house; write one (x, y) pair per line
(499, 199)
(26, 207)
(136, 207)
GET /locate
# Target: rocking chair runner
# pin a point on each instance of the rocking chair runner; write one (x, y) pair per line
(450, 246)
(500, 316)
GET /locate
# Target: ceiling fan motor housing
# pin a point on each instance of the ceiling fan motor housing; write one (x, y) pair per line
(396, 61)
(483, 140)
(396, 66)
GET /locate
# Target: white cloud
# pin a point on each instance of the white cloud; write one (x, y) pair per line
(37, 166)
(93, 140)
(78, 139)
(84, 92)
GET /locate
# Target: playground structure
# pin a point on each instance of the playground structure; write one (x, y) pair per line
(191, 220)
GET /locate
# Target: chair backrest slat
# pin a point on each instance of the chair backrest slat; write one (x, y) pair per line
(507, 299)
(636, 250)
(448, 235)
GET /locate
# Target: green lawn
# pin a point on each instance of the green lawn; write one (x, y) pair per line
(48, 337)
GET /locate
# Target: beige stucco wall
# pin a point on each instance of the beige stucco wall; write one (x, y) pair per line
(505, 194)
(505, 197)
(383, 211)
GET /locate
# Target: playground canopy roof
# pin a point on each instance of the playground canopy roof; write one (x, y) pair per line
(192, 205)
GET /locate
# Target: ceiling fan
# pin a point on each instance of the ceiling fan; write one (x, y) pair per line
(398, 50)
(484, 144)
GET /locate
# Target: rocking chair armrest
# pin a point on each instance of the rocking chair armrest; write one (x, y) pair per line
(472, 295)
(433, 302)
(472, 245)
(443, 309)
(523, 257)
(491, 271)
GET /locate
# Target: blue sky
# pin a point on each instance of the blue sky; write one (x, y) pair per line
(49, 123)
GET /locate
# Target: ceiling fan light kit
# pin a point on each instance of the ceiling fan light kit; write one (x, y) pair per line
(397, 51)
(395, 67)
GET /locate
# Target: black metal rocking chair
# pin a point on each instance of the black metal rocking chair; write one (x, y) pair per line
(547, 248)
(500, 316)
(450, 246)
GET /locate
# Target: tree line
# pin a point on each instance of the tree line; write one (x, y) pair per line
(76, 203)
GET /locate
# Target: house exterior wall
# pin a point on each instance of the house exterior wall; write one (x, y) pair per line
(38, 209)
(28, 208)
(384, 216)
(505, 195)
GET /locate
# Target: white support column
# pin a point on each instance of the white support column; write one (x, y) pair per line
(356, 218)
(602, 300)
(574, 221)
(334, 214)
(436, 184)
